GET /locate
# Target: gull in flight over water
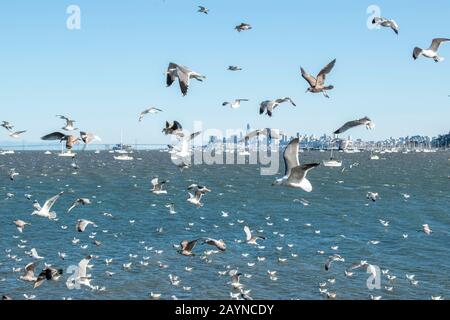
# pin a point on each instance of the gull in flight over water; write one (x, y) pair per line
(69, 123)
(82, 225)
(250, 239)
(318, 84)
(44, 211)
(360, 122)
(185, 151)
(235, 104)
(270, 105)
(295, 174)
(158, 186)
(20, 224)
(16, 134)
(148, 111)
(79, 202)
(87, 138)
(70, 140)
(196, 196)
(234, 68)
(183, 74)
(243, 27)
(8, 126)
(12, 173)
(174, 128)
(187, 247)
(432, 51)
(29, 272)
(388, 23)
(219, 244)
(48, 273)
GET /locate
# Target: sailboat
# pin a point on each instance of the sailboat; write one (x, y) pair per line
(374, 156)
(332, 162)
(123, 154)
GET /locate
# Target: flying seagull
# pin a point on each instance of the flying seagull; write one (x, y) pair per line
(243, 27)
(202, 9)
(45, 210)
(185, 152)
(16, 134)
(158, 187)
(147, 111)
(20, 224)
(318, 84)
(187, 247)
(82, 225)
(79, 202)
(379, 21)
(270, 105)
(12, 173)
(295, 174)
(69, 123)
(250, 238)
(183, 74)
(235, 104)
(174, 128)
(29, 272)
(351, 124)
(8, 126)
(196, 196)
(48, 273)
(234, 68)
(270, 133)
(219, 244)
(432, 51)
(70, 140)
(87, 138)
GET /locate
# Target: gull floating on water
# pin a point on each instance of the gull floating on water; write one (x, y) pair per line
(270, 105)
(388, 23)
(432, 51)
(295, 174)
(157, 186)
(147, 111)
(351, 124)
(45, 210)
(183, 74)
(318, 84)
(372, 196)
(79, 202)
(426, 229)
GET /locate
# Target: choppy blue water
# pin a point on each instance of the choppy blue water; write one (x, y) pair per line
(337, 207)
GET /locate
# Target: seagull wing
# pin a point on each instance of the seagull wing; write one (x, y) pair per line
(349, 125)
(248, 233)
(309, 78)
(54, 136)
(191, 245)
(50, 202)
(436, 43)
(170, 76)
(322, 74)
(291, 156)
(183, 78)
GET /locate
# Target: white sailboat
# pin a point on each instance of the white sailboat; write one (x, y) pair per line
(332, 162)
(123, 154)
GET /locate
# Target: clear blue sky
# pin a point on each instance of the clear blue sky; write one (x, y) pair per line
(106, 73)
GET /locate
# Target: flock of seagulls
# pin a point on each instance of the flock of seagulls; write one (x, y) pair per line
(295, 176)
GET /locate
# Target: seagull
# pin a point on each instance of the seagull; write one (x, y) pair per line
(174, 128)
(295, 174)
(16, 135)
(235, 281)
(183, 74)
(431, 52)
(21, 225)
(270, 105)
(83, 278)
(6, 298)
(88, 137)
(372, 196)
(79, 202)
(251, 239)
(426, 229)
(69, 123)
(185, 152)
(243, 27)
(82, 224)
(70, 140)
(33, 253)
(171, 207)
(318, 85)
(351, 124)
(45, 210)
(235, 104)
(203, 10)
(48, 273)
(384, 223)
(270, 133)
(29, 272)
(219, 244)
(196, 196)
(158, 186)
(331, 259)
(147, 111)
(12, 173)
(379, 21)
(234, 68)
(8, 126)
(187, 247)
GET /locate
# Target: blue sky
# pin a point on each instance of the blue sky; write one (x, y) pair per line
(106, 73)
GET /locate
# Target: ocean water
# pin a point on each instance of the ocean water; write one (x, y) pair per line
(337, 207)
